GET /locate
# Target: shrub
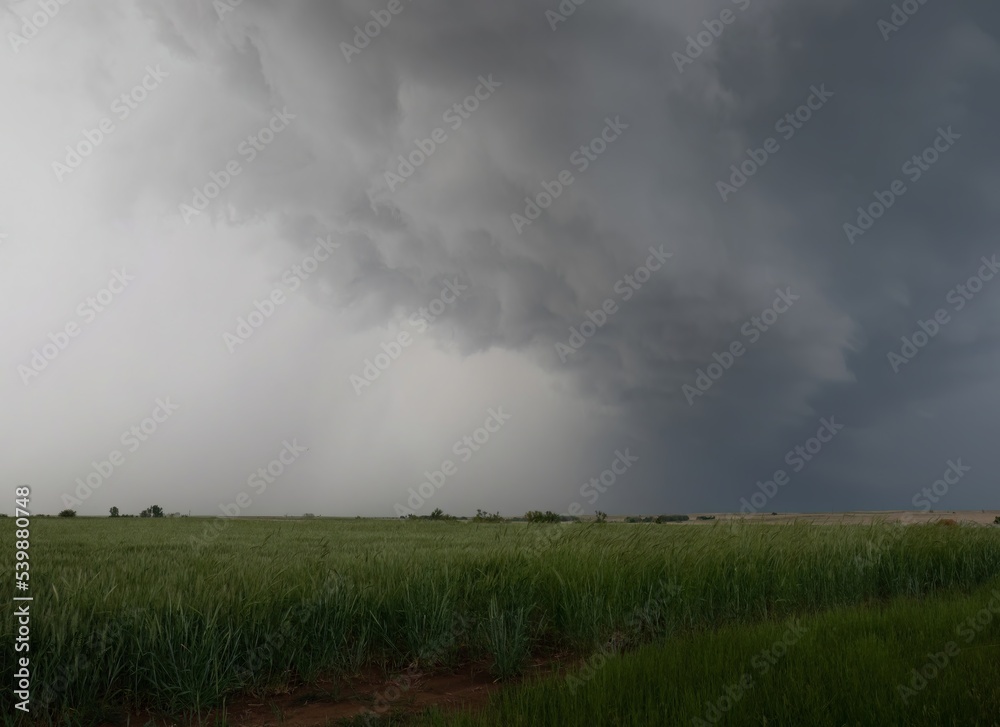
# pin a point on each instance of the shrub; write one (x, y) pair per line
(672, 519)
(706, 517)
(537, 516)
(996, 520)
(601, 517)
(438, 514)
(67, 513)
(487, 517)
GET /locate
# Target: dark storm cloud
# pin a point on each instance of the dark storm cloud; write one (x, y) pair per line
(876, 102)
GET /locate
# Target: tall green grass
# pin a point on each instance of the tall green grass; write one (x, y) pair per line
(270, 603)
(915, 663)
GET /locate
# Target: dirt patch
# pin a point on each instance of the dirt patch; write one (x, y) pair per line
(328, 701)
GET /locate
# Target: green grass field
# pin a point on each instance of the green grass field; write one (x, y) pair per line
(173, 615)
(928, 663)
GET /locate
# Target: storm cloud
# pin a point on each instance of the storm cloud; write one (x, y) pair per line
(697, 230)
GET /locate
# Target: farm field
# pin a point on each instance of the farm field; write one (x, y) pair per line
(302, 622)
(905, 517)
(930, 663)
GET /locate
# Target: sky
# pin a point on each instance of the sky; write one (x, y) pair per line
(377, 258)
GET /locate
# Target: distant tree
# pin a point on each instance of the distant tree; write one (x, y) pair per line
(156, 511)
(487, 517)
(537, 516)
(114, 512)
(145, 513)
(671, 518)
(67, 513)
(602, 517)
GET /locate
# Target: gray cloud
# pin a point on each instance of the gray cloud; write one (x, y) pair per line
(655, 185)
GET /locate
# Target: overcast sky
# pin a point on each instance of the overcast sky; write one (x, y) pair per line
(612, 240)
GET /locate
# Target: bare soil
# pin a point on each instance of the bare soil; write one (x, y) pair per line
(329, 703)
